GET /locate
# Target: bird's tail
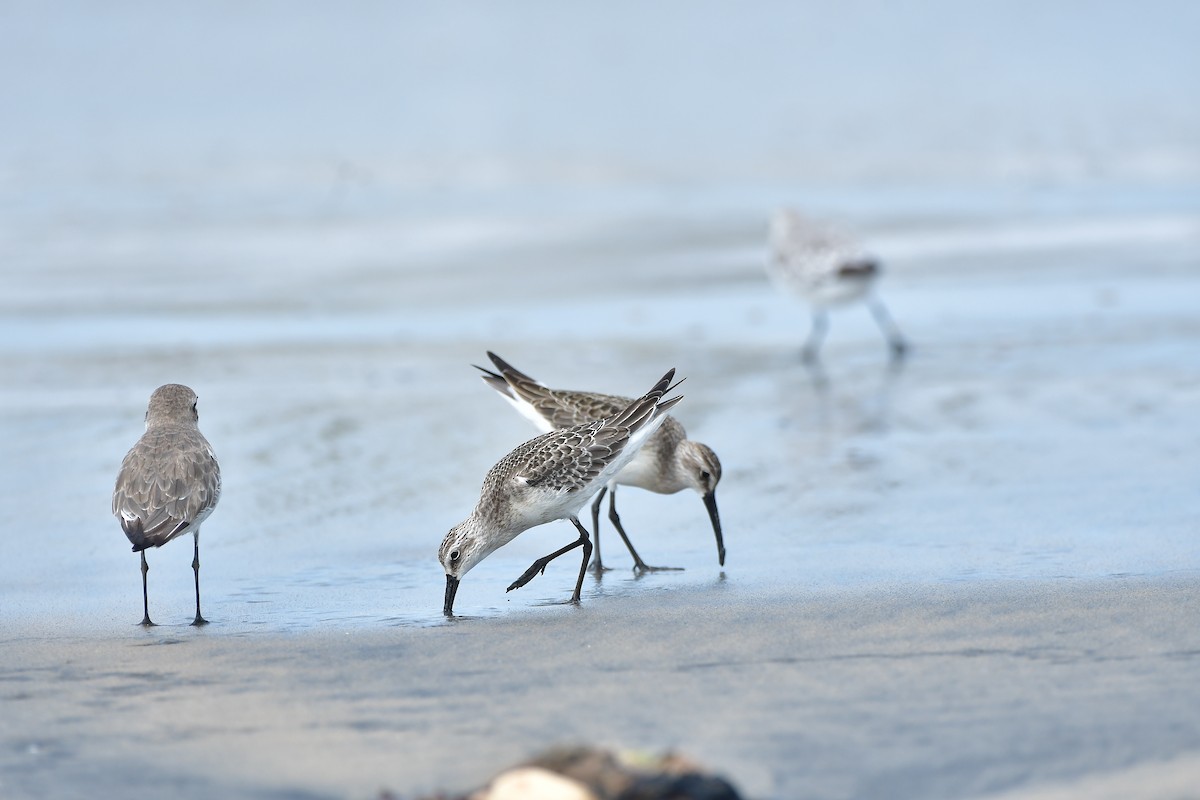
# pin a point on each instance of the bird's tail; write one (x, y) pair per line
(143, 538)
(135, 532)
(496, 381)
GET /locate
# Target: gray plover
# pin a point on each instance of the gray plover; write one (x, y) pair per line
(548, 478)
(669, 461)
(169, 482)
(825, 268)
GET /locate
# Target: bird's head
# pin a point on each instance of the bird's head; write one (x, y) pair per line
(464, 547)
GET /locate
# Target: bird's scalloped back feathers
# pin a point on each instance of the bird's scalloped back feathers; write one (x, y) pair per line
(561, 460)
(557, 408)
(569, 459)
(168, 481)
(565, 408)
(573, 460)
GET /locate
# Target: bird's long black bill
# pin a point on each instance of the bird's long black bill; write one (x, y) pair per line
(710, 502)
(451, 589)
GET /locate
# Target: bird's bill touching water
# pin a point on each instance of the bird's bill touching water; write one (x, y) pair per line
(710, 502)
(452, 587)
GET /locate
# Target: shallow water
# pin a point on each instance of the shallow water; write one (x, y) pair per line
(1041, 427)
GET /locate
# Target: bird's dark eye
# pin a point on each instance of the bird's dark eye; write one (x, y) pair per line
(454, 555)
(704, 476)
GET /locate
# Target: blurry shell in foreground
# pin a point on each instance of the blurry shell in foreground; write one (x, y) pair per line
(589, 773)
(533, 783)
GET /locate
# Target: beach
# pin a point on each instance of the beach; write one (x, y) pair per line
(973, 573)
(948, 691)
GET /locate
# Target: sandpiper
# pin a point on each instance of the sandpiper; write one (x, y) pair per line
(826, 269)
(669, 462)
(548, 478)
(169, 482)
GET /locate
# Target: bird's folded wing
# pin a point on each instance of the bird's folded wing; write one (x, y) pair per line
(158, 497)
(570, 459)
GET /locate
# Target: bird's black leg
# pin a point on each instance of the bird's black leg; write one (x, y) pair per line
(146, 623)
(891, 332)
(816, 335)
(597, 565)
(587, 554)
(638, 564)
(199, 620)
(539, 566)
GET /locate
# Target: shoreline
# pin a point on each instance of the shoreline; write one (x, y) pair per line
(957, 690)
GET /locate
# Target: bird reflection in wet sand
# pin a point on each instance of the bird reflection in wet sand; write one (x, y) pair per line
(548, 478)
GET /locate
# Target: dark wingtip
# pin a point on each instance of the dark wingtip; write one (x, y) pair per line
(158, 536)
(135, 533)
(509, 372)
(500, 363)
(639, 411)
(667, 405)
(487, 373)
(497, 382)
(662, 386)
(859, 267)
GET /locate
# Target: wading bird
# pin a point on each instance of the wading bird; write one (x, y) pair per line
(169, 482)
(548, 478)
(825, 269)
(669, 461)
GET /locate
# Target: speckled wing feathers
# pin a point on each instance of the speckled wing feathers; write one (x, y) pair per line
(560, 408)
(572, 458)
(168, 481)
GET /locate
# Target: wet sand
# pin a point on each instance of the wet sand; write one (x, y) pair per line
(955, 690)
